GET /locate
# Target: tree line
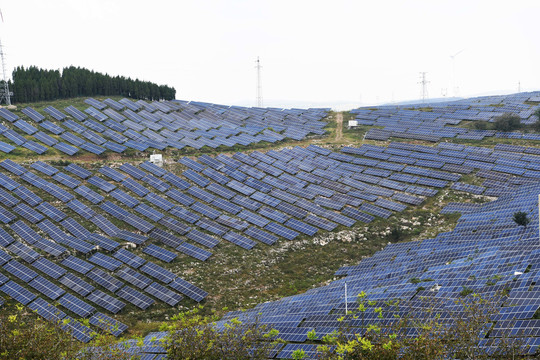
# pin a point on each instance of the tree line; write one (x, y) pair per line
(35, 84)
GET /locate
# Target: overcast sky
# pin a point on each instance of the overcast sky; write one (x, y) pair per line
(332, 53)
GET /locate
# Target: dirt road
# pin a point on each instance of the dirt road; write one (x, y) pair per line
(339, 126)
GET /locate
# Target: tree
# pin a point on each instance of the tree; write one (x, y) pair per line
(507, 122)
(193, 336)
(481, 125)
(25, 335)
(521, 218)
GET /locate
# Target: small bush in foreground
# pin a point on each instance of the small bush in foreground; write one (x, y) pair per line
(25, 335)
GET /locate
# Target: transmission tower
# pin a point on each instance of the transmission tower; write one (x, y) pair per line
(5, 94)
(424, 83)
(259, 84)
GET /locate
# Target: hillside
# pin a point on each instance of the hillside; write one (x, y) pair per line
(252, 205)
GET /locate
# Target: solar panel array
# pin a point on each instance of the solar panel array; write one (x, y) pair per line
(487, 252)
(434, 122)
(118, 126)
(242, 202)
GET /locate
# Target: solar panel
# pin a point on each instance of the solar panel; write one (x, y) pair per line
(17, 292)
(106, 301)
(8, 115)
(75, 228)
(66, 148)
(112, 174)
(5, 147)
(159, 253)
(188, 289)
(77, 264)
(33, 114)
(281, 230)
(24, 252)
(124, 198)
(131, 237)
(46, 310)
(153, 168)
(104, 279)
(193, 251)
(149, 212)
(54, 113)
(135, 297)
(79, 171)
(76, 284)
(77, 330)
(76, 305)
(162, 293)
(301, 226)
(13, 167)
(101, 184)
(239, 240)
(261, 235)
(105, 261)
(157, 272)
(26, 127)
(133, 277)
(89, 194)
(48, 267)
(4, 257)
(20, 271)
(46, 287)
(156, 183)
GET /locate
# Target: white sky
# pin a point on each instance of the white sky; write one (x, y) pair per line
(331, 53)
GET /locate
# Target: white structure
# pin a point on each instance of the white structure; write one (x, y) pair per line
(156, 159)
(353, 123)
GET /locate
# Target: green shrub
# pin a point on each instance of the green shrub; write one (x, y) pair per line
(507, 122)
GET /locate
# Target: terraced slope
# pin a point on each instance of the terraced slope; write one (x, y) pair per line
(487, 253)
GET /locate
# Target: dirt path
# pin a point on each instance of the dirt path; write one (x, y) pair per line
(339, 126)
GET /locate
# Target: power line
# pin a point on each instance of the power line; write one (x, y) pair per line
(5, 94)
(423, 81)
(259, 84)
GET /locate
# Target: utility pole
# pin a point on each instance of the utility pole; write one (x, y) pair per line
(259, 84)
(5, 94)
(424, 83)
(346, 307)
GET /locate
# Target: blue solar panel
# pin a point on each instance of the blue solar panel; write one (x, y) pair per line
(20, 271)
(47, 288)
(159, 253)
(101, 184)
(33, 114)
(281, 231)
(17, 292)
(188, 289)
(239, 240)
(77, 264)
(66, 148)
(106, 301)
(153, 168)
(13, 167)
(76, 305)
(162, 293)
(76, 284)
(157, 272)
(105, 261)
(135, 297)
(48, 267)
(104, 279)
